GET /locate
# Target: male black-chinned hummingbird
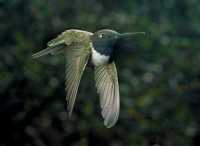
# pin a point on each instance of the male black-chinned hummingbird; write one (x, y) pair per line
(80, 47)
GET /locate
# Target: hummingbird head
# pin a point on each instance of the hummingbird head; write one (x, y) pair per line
(107, 38)
(104, 38)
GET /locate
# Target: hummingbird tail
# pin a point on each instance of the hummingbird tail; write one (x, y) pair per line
(49, 50)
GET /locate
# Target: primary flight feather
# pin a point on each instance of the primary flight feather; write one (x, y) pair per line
(81, 46)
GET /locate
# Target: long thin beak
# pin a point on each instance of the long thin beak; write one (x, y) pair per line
(131, 34)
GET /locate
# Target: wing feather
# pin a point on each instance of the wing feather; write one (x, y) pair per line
(108, 89)
(77, 58)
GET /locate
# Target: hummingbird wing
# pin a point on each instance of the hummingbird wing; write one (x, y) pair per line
(76, 45)
(77, 58)
(108, 88)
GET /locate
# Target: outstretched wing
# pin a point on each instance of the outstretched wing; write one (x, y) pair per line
(107, 86)
(77, 58)
(76, 44)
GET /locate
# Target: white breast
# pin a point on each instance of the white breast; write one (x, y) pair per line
(97, 58)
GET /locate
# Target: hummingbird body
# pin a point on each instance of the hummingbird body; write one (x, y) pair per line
(78, 46)
(99, 58)
(103, 48)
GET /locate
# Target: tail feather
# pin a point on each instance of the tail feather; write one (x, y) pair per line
(57, 41)
(49, 50)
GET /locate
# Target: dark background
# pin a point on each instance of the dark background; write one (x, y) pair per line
(159, 82)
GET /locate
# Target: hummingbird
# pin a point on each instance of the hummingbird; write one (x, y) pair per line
(98, 48)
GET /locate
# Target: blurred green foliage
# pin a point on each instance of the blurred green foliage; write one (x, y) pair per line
(159, 82)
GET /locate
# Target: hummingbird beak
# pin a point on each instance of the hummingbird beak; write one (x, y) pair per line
(131, 34)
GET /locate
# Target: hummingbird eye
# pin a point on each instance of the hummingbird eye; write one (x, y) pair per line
(101, 35)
